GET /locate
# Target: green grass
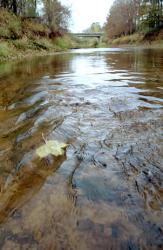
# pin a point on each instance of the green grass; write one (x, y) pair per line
(64, 42)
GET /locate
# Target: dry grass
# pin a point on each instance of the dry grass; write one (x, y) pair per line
(21, 36)
(130, 39)
(138, 39)
(33, 29)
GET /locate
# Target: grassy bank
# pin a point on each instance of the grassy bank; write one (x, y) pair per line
(149, 40)
(20, 37)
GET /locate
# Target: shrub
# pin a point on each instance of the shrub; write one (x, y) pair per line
(4, 49)
(15, 30)
(43, 43)
(32, 29)
(4, 32)
(23, 44)
(64, 42)
(10, 25)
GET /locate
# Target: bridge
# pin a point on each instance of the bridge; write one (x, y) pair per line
(89, 35)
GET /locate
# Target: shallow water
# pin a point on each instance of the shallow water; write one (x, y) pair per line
(106, 191)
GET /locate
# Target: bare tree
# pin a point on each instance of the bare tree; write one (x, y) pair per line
(121, 19)
(56, 15)
(20, 7)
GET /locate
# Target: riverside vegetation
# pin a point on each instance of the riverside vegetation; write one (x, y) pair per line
(151, 39)
(137, 22)
(22, 36)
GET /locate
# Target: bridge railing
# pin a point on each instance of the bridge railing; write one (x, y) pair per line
(84, 34)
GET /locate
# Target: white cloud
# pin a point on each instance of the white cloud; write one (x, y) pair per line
(85, 12)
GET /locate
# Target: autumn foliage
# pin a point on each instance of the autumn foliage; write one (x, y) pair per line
(127, 16)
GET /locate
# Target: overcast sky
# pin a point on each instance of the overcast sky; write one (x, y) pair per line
(85, 12)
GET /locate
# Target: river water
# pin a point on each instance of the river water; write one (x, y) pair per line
(106, 191)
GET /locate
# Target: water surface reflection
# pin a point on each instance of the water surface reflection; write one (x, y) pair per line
(106, 191)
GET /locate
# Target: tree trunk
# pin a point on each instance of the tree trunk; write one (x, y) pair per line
(35, 5)
(4, 4)
(15, 6)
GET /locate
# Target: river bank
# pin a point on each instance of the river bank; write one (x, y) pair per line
(149, 40)
(9, 53)
(25, 47)
(23, 37)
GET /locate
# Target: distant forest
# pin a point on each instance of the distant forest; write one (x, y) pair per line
(127, 16)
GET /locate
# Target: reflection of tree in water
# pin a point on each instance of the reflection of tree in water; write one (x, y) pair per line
(21, 82)
(144, 68)
(21, 106)
(137, 60)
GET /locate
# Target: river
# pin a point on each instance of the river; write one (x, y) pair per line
(105, 192)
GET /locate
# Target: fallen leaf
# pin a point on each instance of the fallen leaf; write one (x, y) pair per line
(51, 147)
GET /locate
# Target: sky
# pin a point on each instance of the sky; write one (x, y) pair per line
(85, 12)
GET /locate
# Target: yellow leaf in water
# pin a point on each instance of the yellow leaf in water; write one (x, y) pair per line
(51, 147)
